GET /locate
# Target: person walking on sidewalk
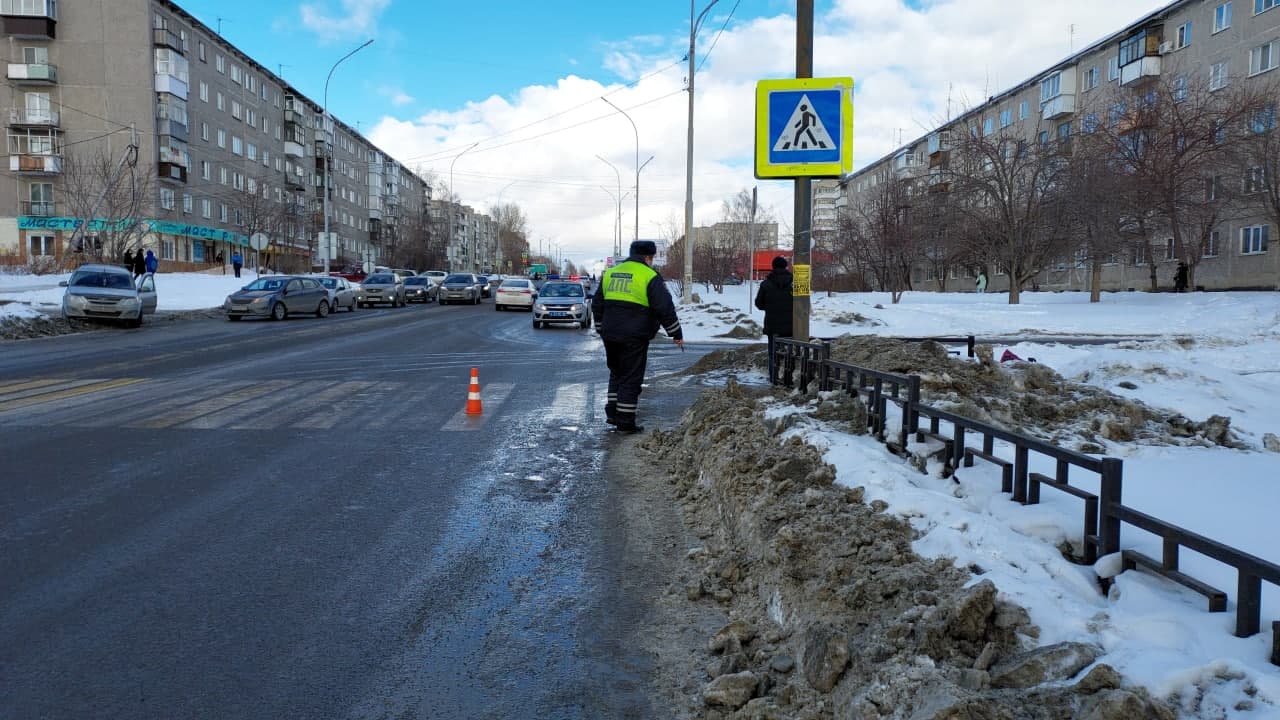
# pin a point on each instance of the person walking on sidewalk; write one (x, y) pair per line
(629, 304)
(139, 264)
(151, 262)
(774, 298)
(237, 262)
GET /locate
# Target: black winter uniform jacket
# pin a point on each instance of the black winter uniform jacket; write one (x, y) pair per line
(629, 321)
(774, 298)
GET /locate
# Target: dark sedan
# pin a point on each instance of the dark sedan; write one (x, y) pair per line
(419, 288)
(460, 287)
(278, 296)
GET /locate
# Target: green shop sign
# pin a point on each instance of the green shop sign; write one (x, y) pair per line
(165, 227)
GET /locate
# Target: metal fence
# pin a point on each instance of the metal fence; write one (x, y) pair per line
(805, 364)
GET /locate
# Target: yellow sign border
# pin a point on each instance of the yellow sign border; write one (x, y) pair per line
(763, 168)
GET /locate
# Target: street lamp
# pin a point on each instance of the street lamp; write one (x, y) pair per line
(617, 235)
(687, 296)
(637, 132)
(453, 198)
(617, 222)
(328, 154)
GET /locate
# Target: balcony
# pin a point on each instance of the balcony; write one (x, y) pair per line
(295, 117)
(33, 73)
(1058, 106)
(1140, 70)
(35, 164)
(166, 83)
(172, 128)
(39, 22)
(160, 37)
(171, 171)
(39, 208)
(34, 117)
(294, 150)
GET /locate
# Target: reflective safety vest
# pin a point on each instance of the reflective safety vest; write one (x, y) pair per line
(628, 282)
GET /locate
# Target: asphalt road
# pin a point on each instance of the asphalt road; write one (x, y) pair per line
(297, 519)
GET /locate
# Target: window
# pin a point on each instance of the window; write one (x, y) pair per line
(1222, 17)
(250, 117)
(1133, 48)
(186, 202)
(166, 198)
(1115, 113)
(1091, 78)
(42, 202)
(251, 151)
(237, 181)
(35, 55)
(1022, 110)
(1253, 239)
(237, 145)
(40, 245)
(1140, 254)
(222, 175)
(222, 212)
(235, 73)
(235, 109)
(205, 170)
(1044, 137)
(252, 186)
(988, 126)
(1263, 120)
(1113, 69)
(222, 102)
(1064, 131)
(220, 63)
(1050, 87)
(1213, 188)
(200, 49)
(204, 131)
(1180, 88)
(204, 91)
(1212, 244)
(1169, 253)
(1218, 75)
(1255, 179)
(222, 138)
(1183, 36)
(1006, 118)
(206, 208)
(1261, 6)
(1262, 58)
(1089, 123)
(172, 63)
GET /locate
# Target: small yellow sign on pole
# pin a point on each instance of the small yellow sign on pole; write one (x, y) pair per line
(800, 280)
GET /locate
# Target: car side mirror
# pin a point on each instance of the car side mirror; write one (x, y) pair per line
(62, 284)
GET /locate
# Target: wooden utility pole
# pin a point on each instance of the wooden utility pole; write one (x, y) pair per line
(802, 241)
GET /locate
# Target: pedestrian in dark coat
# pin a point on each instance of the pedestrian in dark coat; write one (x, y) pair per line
(152, 262)
(1180, 278)
(774, 298)
(629, 304)
(139, 264)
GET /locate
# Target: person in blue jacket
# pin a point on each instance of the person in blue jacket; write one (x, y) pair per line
(629, 304)
(152, 262)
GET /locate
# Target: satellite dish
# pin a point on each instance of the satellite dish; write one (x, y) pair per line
(259, 241)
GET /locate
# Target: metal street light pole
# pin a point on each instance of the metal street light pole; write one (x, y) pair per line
(453, 199)
(617, 238)
(687, 295)
(637, 188)
(328, 154)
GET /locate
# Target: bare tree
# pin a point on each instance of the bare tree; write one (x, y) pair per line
(1006, 189)
(1262, 172)
(107, 195)
(884, 237)
(513, 226)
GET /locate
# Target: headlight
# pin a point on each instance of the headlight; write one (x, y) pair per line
(577, 308)
(129, 301)
(75, 301)
(540, 307)
(261, 301)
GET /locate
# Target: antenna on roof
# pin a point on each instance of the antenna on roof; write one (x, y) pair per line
(1071, 38)
(220, 24)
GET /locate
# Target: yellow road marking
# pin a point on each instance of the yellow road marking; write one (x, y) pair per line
(26, 385)
(69, 393)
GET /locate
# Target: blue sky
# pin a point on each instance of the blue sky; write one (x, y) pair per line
(521, 84)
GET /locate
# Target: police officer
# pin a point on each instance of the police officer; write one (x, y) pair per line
(629, 304)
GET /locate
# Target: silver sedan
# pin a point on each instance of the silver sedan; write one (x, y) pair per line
(342, 294)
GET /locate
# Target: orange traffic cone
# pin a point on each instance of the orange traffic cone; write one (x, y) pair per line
(473, 393)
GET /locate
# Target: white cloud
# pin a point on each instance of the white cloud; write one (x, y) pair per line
(356, 19)
(910, 66)
(395, 95)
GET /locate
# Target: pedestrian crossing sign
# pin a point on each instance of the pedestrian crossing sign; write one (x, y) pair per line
(804, 127)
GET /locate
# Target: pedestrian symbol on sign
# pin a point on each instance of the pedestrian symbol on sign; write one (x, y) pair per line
(805, 130)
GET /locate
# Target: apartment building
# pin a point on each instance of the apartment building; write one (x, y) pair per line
(1208, 44)
(473, 239)
(225, 149)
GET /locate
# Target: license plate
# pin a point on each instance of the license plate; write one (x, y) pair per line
(558, 314)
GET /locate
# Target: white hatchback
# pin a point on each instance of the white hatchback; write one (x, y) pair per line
(515, 292)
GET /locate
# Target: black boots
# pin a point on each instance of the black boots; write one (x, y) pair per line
(611, 412)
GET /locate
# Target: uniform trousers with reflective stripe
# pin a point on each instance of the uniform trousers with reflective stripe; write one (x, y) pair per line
(626, 360)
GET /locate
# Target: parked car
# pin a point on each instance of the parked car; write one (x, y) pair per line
(342, 293)
(108, 292)
(562, 302)
(515, 292)
(486, 285)
(379, 288)
(405, 272)
(419, 289)
(277, 296)
(459, 287)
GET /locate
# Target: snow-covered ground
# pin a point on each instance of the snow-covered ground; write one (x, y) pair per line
(1195, 354)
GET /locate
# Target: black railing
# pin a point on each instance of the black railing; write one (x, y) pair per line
(1104, 512)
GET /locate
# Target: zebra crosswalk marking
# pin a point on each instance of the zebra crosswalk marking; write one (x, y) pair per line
(72, 389)
(214, 404)
(322, 419)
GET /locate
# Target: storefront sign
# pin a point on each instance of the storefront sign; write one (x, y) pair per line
(164, 227)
